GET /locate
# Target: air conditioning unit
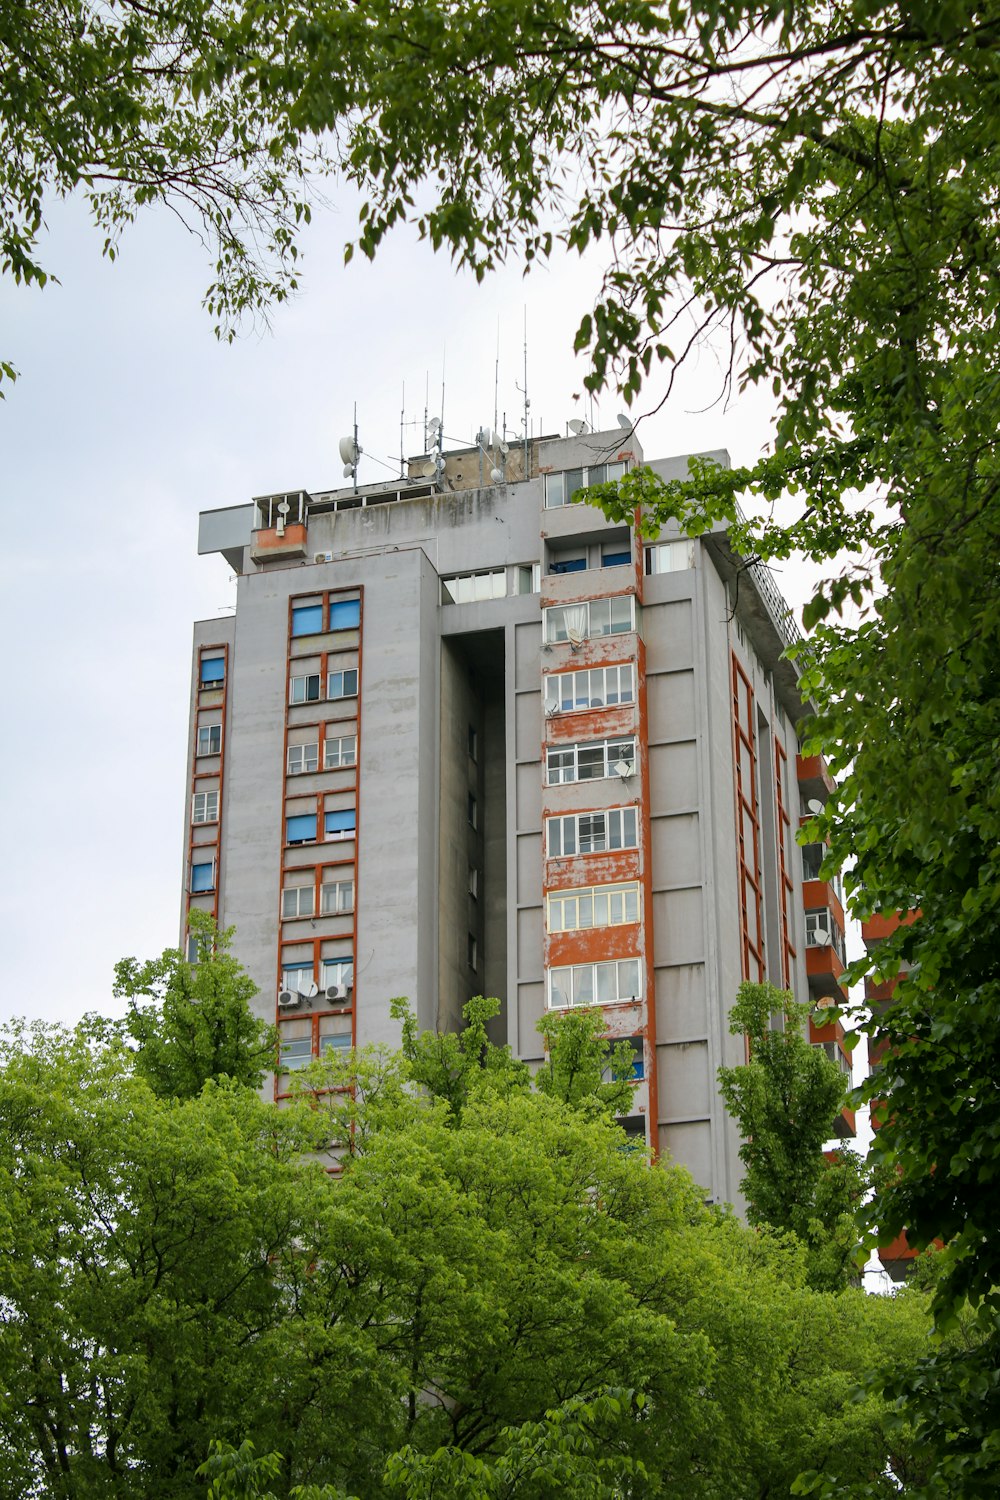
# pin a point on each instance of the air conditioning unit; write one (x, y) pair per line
(288, 999)
(337, 992)
(322, 557)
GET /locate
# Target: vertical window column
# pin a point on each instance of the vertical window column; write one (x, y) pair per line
(747, 828)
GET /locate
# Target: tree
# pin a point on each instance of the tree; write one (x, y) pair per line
(457, 1305)
(785, 1099)
(148, 1248)
(200, 1025)
(819, 184)
(584, 1069)
(161, 102)
(451, 1064)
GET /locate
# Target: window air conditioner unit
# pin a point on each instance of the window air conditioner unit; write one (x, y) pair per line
(322, 557)
(288, 999)
(337, 992)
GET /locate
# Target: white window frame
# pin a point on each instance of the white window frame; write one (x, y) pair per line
(299, 758)
(822, 918)
(602, 831)
(344, 757)
(580, 984)
(612, 752)
(590, 688)
(298, 901)
(300, 694)
(298, 978)
(585, 907)
(556, 488)
(613, 615)
(350, 690)
(335, 971)
(670, 557)
(207, 731)
(343, 903)
(205, 807)
(295, 1053)
(474, 588)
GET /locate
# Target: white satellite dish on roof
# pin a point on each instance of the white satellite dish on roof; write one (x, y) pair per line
(577, 426)
(624, 421)
(350, 450)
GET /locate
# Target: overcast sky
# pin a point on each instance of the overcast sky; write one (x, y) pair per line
(127, 420)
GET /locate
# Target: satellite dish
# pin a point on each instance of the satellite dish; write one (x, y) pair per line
(433, 424)
(624, 421)
(821, 938)
(484, 437)
(815, 806)
(505, 449)
(624, 769)
(283, 507)
(577, 426)
(497, 476)
(348, 471)
(438, 464)
(426, 469)
(311, 990)
(350, 451)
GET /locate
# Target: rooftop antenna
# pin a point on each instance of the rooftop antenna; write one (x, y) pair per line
(496, 377)
(402, 420)
(350, 452)
(524, 392)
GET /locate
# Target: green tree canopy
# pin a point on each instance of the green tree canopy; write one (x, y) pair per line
(200, 1025)
(138, 102)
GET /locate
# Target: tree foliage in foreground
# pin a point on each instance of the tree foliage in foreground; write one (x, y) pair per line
(452, 1313)
(785, 1099)
(138, 102)
(819, 185)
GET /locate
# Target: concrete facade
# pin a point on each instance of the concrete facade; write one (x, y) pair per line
(465, 737)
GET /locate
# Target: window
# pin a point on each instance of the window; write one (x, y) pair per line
(300, 828)
(473, 742)
(590, 620)
(296, 1052)
(469, 588)
(588, 762)
(473, 952)
(210, 739)
(593, 906)
(670, 557)
(473, 811)
(473, 882)
(529, 578)
(337, 896)
(297, 901)
(299, 979)
(305, 689)
(560, 488)
(213, 670)
(303, 758)
(576, 564)
(593, 833)
(307, 619)
(206, 807)
(338, 971)
(193, 948)
(341, 824)
(342, 684)
(340, 751)
(594, 984)
(203, 877)
(337, 1042)
(345, 614)
(812, 860)
(617, 559)
(601, 687)
(639, 1065)
(823, 932)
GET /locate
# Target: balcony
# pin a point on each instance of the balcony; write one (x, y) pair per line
(278, 543)
(815, 782)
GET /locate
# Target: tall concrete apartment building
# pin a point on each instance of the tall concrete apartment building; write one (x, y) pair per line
(464, 736)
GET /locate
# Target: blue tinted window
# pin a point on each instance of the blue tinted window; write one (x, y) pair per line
(213, 668)
(615, 559)
(341, 822)
(569, 565)
(300, 829)
(202, 877)
(307, 619)
(345, 615)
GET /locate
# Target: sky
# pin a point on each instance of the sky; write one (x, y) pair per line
(128, 418)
